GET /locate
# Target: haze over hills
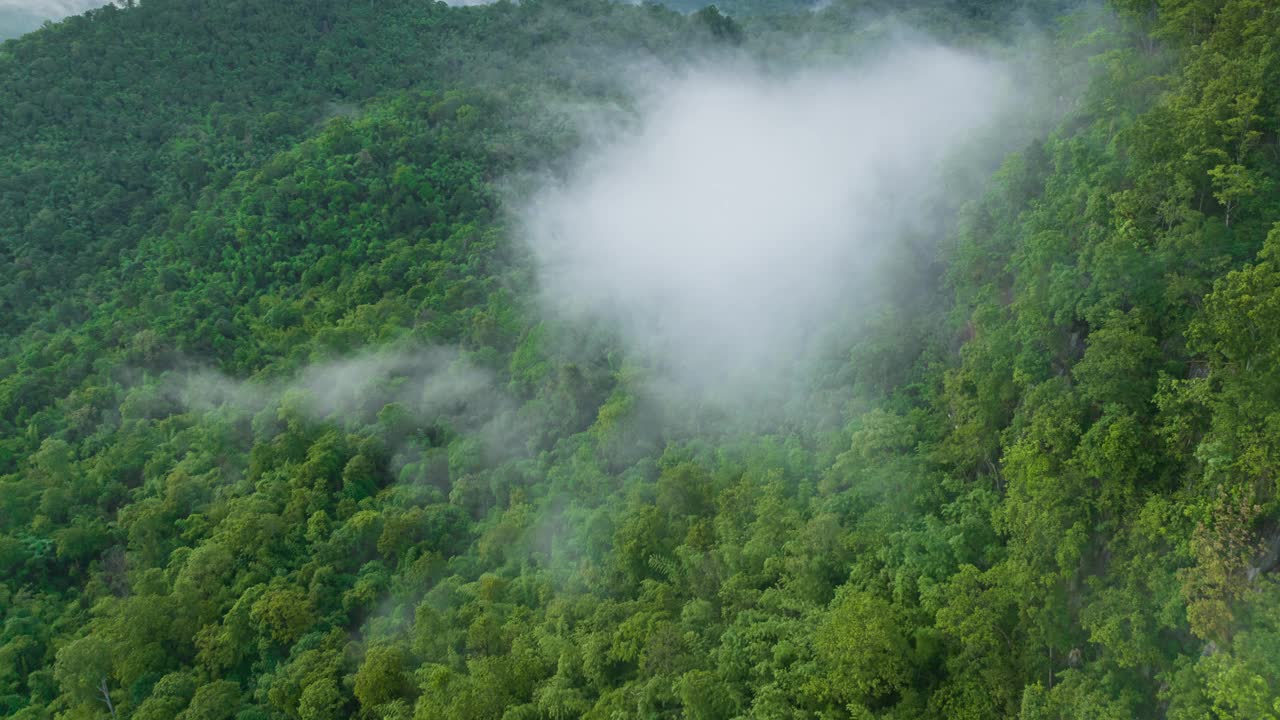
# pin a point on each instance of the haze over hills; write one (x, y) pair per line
(580, 359)
(18, 17)
(53, 9)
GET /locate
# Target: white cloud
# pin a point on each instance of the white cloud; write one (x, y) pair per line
(743, 209)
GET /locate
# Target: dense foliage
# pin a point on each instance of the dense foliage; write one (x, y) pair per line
(1047, 490)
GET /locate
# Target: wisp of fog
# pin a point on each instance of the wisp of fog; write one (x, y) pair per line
(428, 383)
(720, 232)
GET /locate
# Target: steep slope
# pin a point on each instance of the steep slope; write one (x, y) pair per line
(283, 432)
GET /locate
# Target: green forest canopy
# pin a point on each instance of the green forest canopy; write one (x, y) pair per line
(1049, 489)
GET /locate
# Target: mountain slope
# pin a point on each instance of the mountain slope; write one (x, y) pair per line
(284, 431)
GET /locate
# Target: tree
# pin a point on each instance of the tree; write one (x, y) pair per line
(84, 671)
(218, 700)
(861, 644)
(285, 611)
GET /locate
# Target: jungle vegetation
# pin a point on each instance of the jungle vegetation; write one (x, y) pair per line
(1045, 484)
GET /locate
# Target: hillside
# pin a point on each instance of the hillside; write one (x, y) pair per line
(296, 421)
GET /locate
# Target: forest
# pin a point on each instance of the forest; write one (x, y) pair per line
(296, 420)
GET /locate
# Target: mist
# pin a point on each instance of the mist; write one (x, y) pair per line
(427, 384)
(53, 9)
(19, 17)
(742, 217)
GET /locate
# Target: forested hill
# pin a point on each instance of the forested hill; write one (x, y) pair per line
(288, 431)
